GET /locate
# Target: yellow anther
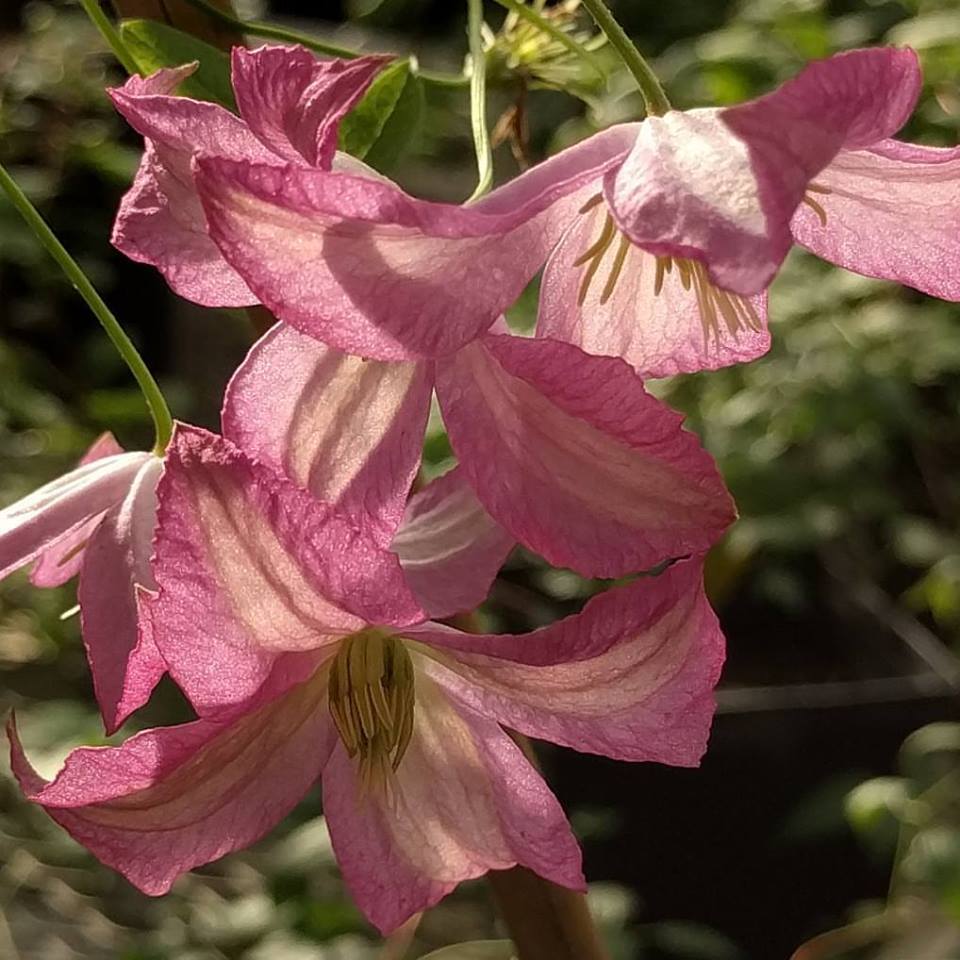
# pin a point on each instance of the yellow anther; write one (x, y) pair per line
(372, 697)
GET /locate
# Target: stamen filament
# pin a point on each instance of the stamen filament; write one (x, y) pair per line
(616, 269)
(816, 208)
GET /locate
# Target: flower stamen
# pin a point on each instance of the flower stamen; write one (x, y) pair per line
(371, 696)
(817, 209)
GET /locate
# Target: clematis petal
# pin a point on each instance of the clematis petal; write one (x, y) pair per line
(661, 322)
(170, 799)
(720, 186)
(630, 677)
(450, 548)
(358, 264)
(294, 102)
(62, 561)
(116, 568)
(31, 526)
(892, 211)
(249, 565)
(160, 220)
(571, 455)
(347, 429)
(464, 801)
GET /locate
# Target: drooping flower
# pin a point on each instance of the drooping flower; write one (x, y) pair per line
(97, 521)
(564, 450)
(304, 652)
(290, 107)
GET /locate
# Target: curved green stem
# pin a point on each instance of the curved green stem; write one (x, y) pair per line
(159, 411)
(653, 96)
(478, 100)
(110, 34)
(542, 23)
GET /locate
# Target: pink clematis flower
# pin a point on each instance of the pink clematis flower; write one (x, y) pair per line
(305, 653)
(290, 106)
(565, 451)
(97, 521)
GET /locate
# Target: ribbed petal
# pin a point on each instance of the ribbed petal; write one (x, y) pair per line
(631, 677)
(571, 455)
(39, 521)
(465, 800)
(347, 429)
(249, 565)
(450, 548)
(892, 211)
(62, 561)
(357, 263)
(173, 798)
(684, 326)
(720, 186)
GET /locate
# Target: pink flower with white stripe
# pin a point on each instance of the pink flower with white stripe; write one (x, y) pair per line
(306, 655)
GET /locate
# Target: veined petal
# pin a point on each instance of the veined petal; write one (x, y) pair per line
(464, 801)
(892, 211)
(720, 186)
(32, 525)
(358, 264)
(173, 798)
(349, 430)
(662, 317)
(125, 665)
(630, 677)
(571, 455)
(249, 565)
(450, 548)
(294, 102)
(62, 560)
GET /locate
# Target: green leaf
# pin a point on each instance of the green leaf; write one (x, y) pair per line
(476, 950)
(155, 45)
(384, 122)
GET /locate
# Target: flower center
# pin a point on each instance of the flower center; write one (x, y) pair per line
(371, 695)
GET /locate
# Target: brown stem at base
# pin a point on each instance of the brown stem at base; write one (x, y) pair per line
(179, 14)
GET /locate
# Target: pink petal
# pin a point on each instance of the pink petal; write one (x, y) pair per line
(450, 548)
(571, 455)
(720, 186)
(631, 677)
(347, 429)
(61, 562)
(893, 211)
(294, 102)
(160, 220)
(170, 799)
(125, 665)
(622, 314)
(465, 801)
(249, 565)
(358, 264)
(40, 521)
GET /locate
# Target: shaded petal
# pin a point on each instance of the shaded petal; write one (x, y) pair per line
(39, 521)
(659, 334)
(170, 799)
(575, 459)
(720, 186)
(892, 211)
(464, 801)
(630, 677)
(357, 263)
(249, 565)
(294, 102)
(126, 665)
(160, 220)
(349, 430)
(450, 548)
(61, 561)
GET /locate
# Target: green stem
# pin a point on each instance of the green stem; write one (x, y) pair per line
(543, 24)
(110, 34)
(478, 100)
(162, 421)
(653, 96)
